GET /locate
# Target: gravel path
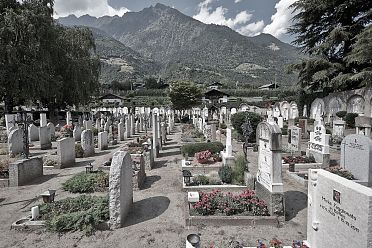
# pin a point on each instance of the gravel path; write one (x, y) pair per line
(157, 218)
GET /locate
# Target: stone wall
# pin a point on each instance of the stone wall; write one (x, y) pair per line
(24, 171)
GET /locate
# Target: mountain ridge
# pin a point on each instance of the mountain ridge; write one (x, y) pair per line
(188, 49)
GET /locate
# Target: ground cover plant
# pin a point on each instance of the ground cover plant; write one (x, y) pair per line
(191, 149)
(218, 203)
(82, 213)
(298, 159)
(341, 172)
(87, 182)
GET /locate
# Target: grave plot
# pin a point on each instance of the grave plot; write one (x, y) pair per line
(191, 135)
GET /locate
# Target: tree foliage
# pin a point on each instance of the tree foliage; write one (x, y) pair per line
(184, 95)
(41, 61)
(336, 35)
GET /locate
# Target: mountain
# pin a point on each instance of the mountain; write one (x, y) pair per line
(188, 49)
(119, 62)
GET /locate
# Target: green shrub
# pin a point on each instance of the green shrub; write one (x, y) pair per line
(223, 126)
(95, 131)
(49, 162)
(191, 149)
(79, 152)
(239, 118)
(86, 182)
(82, 213)
(226, 174)
(239, 168)
(201, 180)
(284, 131)
(341, 114)
(350, 119)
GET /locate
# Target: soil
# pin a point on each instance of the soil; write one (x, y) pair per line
(157, 218)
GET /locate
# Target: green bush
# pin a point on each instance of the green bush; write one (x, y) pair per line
(239, 168)
(223, 126)
(87, 182)
(226, 174)
(82, 213)
(284, 131)
(341, 114)
(95, 131)
(201, 180)
(79, 152)
(191, 149)
(238, 119)
(350, 119)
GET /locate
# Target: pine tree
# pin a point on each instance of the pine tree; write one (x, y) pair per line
(334, 34)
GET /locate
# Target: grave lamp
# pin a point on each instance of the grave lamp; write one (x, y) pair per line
(48, 196)
(89, 168)
(186, 176)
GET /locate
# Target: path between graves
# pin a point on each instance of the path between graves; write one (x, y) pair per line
(157, 217)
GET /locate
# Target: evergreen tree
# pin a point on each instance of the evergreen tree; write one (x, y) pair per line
(334, 34)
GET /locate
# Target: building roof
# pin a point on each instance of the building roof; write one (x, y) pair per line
(215, 84)
(215, 93)
(269, 86)
(111, 96)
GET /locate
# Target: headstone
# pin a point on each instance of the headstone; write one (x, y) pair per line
(318, 146)
(76, 133)
(102, 140)
(155, 147)
(24, 171)
(106, 127)
(302, 123)
(87, 143)
(163, 133)
(10, 121)
(294, 139)
(33, 133)
(339, 212)
(98, 124)
(338, 128)
(65, 152)
(120, 188)
(127, 126)
(51, 129)
(280, 122)
(213, 132)
(68, 118)
(356, 157)
(15, 142)
(269, 175)
(43, 120)
(227, 156)
(88, 124)
(45, 138)
(121, 131)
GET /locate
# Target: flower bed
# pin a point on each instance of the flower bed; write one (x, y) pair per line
(191, 135)
(298, 159)
(341, 172)
(218, 203)
(87, 183)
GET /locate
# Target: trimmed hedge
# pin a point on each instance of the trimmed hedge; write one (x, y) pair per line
(191, 149)
(350, 119)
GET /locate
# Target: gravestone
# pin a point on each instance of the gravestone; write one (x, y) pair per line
(45, 139)
(65, 152)
(76, 133)
(338, 128)
(339, 212)
(87, 143)
(24, 171)
(121, 131)
(15, 142)
(294, 139)
(227, 156)
(280, 122)
(269, 184)
(120, 188)
(356, 157)
(98, 124)
(213, 132)
(10, 121)
(68, 118)
(302, 123)
(52, 129)
(106, 127)
(163, 127)
(102, 140)
(155, 146)
(88, 124)
(33, 133)
(43, 120)
(318, 146)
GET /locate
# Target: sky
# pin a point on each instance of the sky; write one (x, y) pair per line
(248, 17)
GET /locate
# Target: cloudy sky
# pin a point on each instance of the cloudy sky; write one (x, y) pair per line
(248, 17)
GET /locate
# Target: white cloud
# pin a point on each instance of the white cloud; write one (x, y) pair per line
(96, 8)
(237, 1)
(208, 15)
(281, 20)
(252, 29)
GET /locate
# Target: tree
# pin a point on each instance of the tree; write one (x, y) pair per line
(184, 95)
(238, 119)
(41, 61)
(331, 32)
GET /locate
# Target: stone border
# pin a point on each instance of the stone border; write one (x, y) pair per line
(304, 166)
(235, 220)
(222, 187)
(297, 178)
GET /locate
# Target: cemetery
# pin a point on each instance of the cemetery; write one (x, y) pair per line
(151, 129)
